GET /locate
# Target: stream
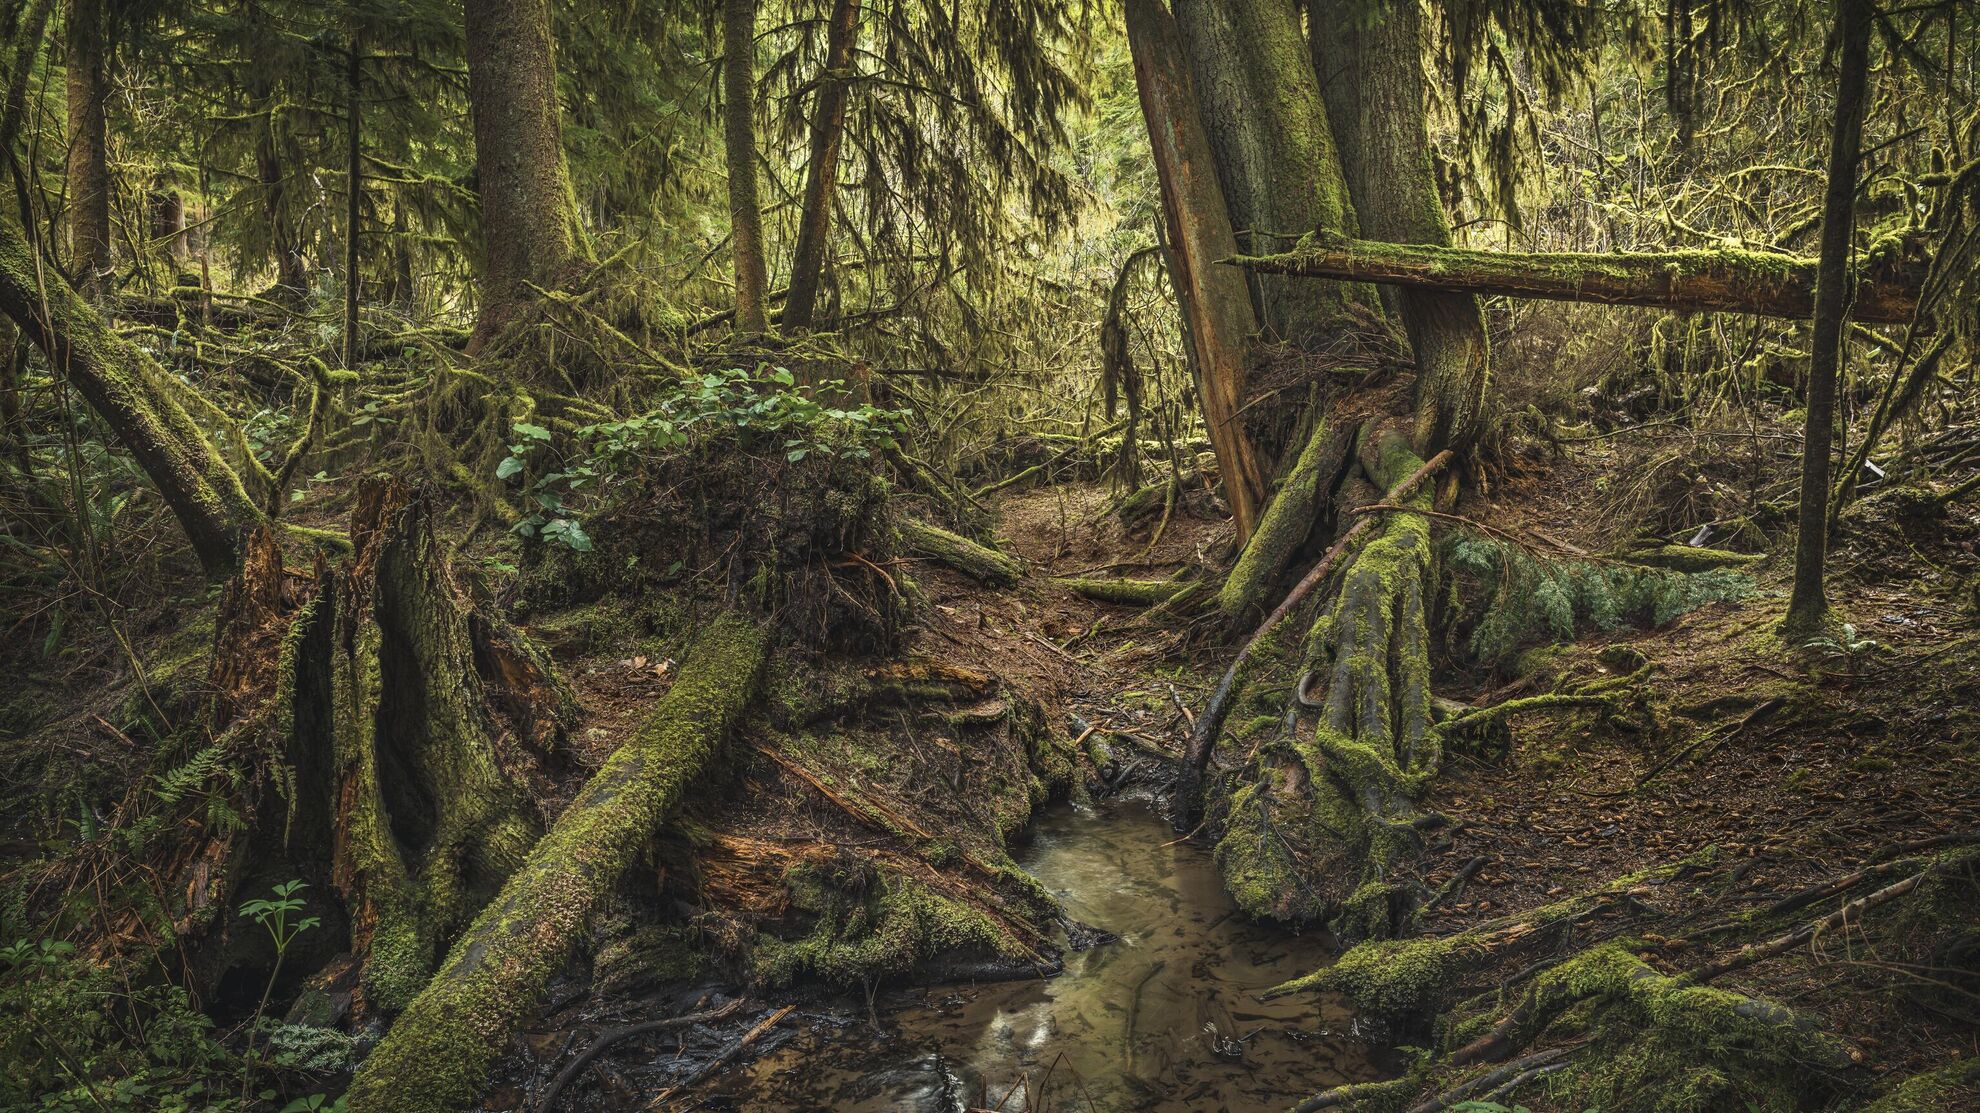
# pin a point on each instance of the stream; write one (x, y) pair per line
(1163, 1017)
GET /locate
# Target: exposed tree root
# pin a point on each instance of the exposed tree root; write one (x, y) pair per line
(436, 1056)
(1327, 808)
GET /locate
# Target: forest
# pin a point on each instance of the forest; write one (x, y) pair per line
(969, 555)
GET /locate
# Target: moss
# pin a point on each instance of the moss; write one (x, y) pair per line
(436, 1057)
(872, 928)
(983, 564)
(1130, 593)
(1953, 1086)
(1283, 527)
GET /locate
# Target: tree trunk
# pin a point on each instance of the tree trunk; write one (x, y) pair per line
(1808, 604)
(431, 816)
(89, 168)
(527, 213)
(1215, 304)
(123, 385)
(27, 45)
(353, 194)
(1273, 148)
(291, 274)
(1370, 65)
(828, 132)
(1728, 281)
(739, 137)
(435, 1059)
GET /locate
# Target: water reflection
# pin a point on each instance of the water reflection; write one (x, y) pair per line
(1165, 1017)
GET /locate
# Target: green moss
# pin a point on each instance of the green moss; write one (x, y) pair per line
(1130, 593)
(436, 1057)
(983, 564)
(871, 927)
(1953, 1086)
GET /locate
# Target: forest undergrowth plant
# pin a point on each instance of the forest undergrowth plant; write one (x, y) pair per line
(281, 918)
(1505, 598)
(765, 412)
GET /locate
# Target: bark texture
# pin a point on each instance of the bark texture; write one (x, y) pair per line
(431, 817)
(89, 167)
(1370, 63)
(435, 1059)
(1216, 307)
(1273, 147)
(1728, 281)
(739, 137)
(1808, 604)
(129, 391)
(527, 215)
(828, 133)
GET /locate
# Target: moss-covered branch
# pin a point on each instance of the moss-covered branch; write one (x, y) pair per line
(1726, 280)
(436, 1057)
(128, 389)
(960, 553)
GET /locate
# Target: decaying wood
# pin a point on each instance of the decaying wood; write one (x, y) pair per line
(1730, 281)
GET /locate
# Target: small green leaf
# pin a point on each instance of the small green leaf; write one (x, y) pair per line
(508, 467)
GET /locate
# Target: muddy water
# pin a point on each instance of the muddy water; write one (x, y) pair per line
(1164, 1017)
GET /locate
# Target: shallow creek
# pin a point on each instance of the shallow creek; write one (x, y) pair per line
(1163, 1017)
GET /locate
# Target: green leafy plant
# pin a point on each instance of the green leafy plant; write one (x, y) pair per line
(766, 412)
(282, 919)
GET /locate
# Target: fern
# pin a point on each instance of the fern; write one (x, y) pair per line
(189, 779)
(1518, 600)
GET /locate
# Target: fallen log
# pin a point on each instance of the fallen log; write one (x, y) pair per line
(979, 562)
(436, 1057)
(1729, 280)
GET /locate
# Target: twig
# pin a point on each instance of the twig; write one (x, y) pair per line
(722, 1060)
(619, 1035)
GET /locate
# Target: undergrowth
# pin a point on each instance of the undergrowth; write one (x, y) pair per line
(1505, 598)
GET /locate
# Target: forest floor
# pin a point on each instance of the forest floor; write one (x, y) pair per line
(1789, 772)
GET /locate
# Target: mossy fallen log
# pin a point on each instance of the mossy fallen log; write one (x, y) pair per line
(978, 562)
(436, 1057)
(1690, 558)
(1726, 280)
(1127, 593)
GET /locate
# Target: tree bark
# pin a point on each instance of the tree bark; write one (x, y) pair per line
(27, 45)
(527, 214)
(1370, 66)
(1273, 148)
(1729, 281)
(354, 194)
(1214, 302)
(435, 1059)
(1808, 603)
(122, 384)
(739, 137)
(828, 132)
(89, 168)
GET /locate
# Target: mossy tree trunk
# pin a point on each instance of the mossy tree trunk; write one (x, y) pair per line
(26, 47)
(1273, 148)
(432, 816)
(86, 32)
(739, 139)
(528, 217)
(828, 133)
(1727, 281)
(291, 270)
(128, 389)
(435, 1059)
(1215, 304)
(1370, 64)
(1808, 603)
